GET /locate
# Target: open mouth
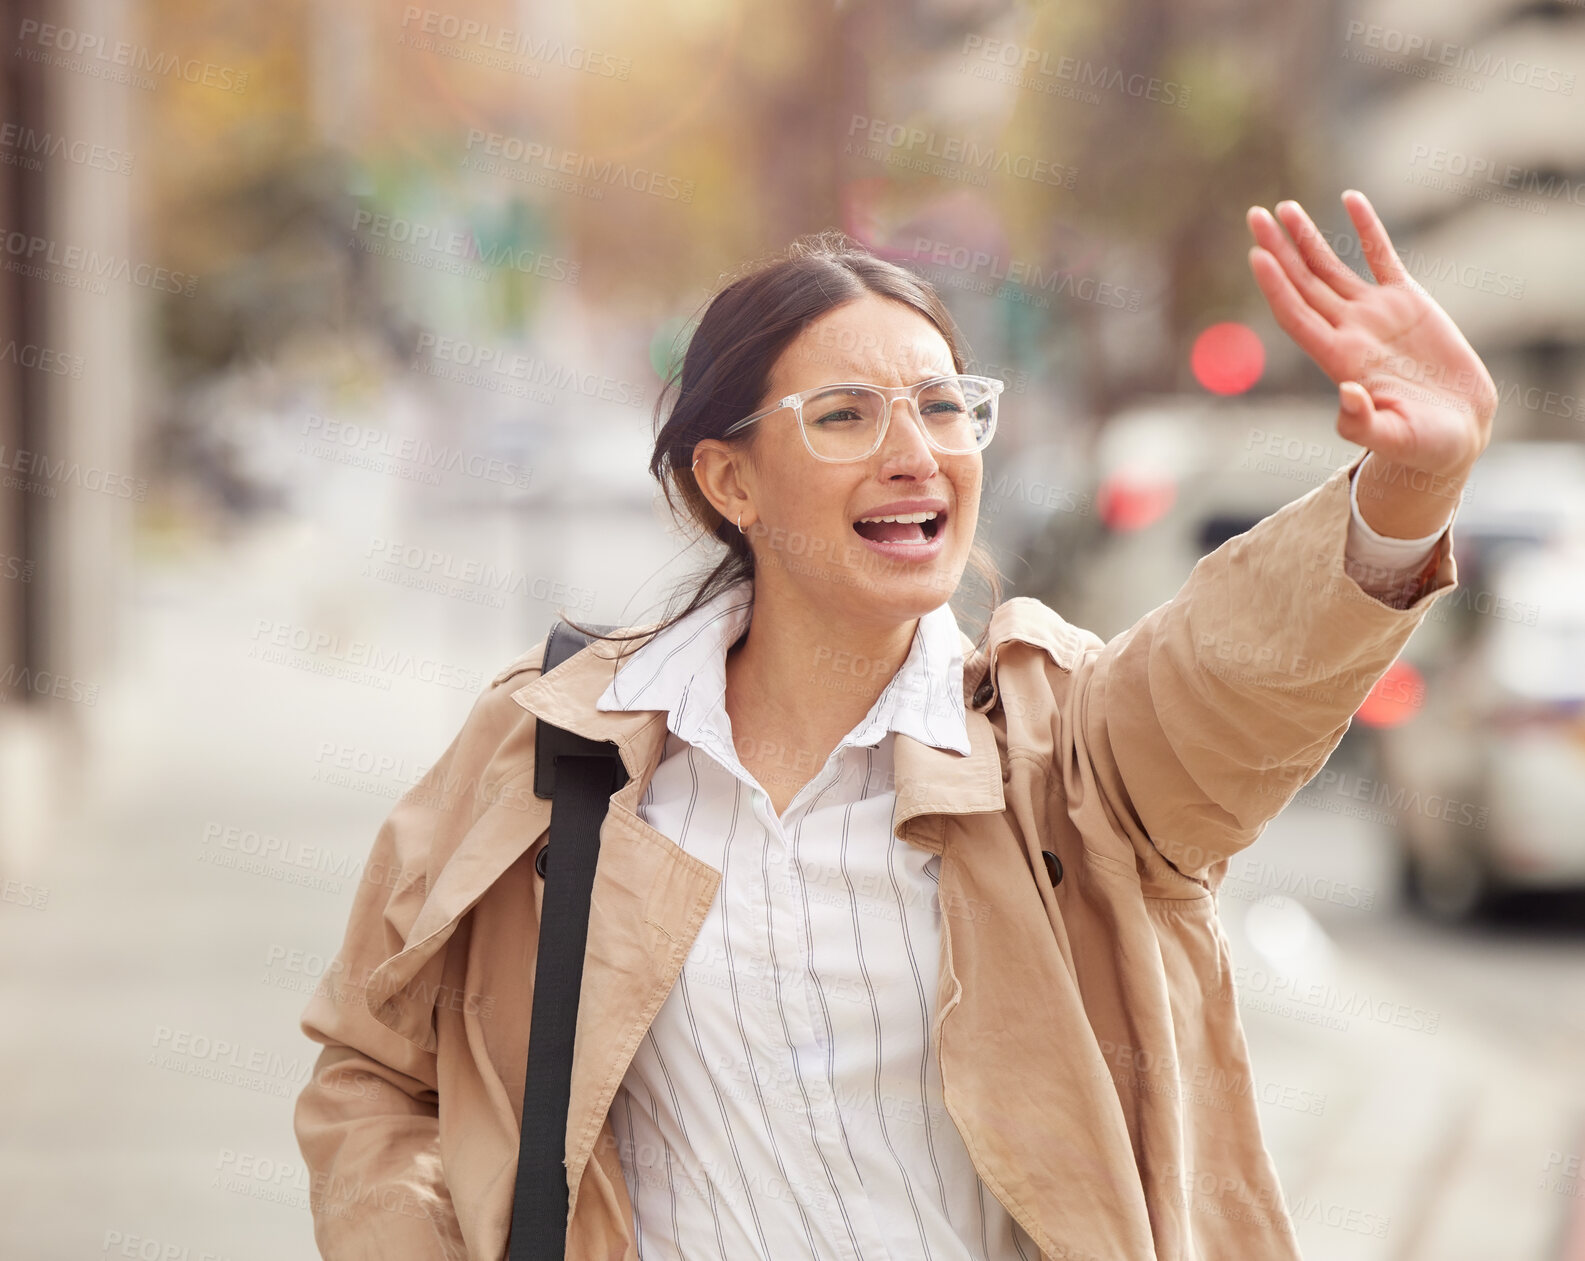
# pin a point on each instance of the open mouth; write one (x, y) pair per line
(901, 527)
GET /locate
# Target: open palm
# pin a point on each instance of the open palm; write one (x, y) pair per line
(1411, 388)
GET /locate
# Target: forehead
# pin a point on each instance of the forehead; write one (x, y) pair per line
(869, 339)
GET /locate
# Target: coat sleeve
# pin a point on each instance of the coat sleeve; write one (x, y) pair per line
(1201, 722)
(367, 1120)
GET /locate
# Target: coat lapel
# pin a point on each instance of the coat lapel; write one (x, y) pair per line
(650, 897)
(931, 782)
(511, 824)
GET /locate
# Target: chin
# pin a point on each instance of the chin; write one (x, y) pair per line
(908, 595)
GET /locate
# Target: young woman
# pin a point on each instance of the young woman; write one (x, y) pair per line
(901, 945)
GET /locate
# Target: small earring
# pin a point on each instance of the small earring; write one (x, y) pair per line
(740, 529)
(696, 466)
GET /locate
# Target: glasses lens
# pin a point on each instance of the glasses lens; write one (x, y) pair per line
(958, 413)
(844, 423)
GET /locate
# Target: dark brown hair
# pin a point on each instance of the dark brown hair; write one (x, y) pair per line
(725, 373)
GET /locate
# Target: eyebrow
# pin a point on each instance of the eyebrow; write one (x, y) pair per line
(859, 380)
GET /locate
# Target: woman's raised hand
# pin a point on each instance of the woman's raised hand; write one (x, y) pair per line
(1410, 387)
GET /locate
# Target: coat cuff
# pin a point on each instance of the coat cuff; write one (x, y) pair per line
(1368, 568)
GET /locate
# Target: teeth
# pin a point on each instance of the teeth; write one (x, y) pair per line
(905, 517)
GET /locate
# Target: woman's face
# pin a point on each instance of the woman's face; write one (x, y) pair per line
(806, 519)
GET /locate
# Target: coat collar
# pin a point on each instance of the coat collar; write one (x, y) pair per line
(930, 781)
(682, 670)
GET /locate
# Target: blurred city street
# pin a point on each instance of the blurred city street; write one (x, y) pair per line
(1449, 1129)
(155, 1020)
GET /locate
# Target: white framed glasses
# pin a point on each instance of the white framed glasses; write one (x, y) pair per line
(847, 421)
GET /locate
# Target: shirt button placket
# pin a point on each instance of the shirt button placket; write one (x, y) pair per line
(829, 1155)
(785, 975)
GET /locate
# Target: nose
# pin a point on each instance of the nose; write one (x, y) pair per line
(905, 445)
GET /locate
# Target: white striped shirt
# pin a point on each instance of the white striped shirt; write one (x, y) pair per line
(786, 1101)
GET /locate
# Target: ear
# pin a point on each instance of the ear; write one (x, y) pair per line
(725, 478)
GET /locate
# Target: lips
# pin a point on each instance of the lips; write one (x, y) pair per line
(908, 522)
(907, 530)
(901, 528)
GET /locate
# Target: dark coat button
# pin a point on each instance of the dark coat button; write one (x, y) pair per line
(983, 692)
(539, 860)
(1053, 867)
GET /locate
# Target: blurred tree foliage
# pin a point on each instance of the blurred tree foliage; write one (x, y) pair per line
(748, 105)
(238, 189)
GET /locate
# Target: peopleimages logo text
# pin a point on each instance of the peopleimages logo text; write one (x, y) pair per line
(961, 152)
(535, 47)
(385, 229)
(639, 179)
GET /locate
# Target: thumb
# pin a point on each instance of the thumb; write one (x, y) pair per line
(1358, 421)
(1355, 412)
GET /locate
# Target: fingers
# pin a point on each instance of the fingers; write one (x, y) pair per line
(1296, 317)
(1385, 265)
(1320, 295)
(1313, 267)
(1317, 254)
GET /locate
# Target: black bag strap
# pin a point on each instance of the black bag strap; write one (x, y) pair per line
(578, 775)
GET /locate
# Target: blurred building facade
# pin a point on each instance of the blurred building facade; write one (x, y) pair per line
(71, 296)
(1468, 130)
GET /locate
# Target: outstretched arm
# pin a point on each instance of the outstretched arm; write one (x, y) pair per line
(1194, 727)
(1186, 733)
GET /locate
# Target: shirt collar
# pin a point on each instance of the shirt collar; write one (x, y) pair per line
(682, 670)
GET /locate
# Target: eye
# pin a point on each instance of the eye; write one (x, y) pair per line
(836, 407)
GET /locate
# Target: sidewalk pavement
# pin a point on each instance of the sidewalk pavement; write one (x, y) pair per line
(1401, 1129)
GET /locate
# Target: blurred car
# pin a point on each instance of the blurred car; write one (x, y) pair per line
(1173, 478)
(1482, 775)
(1487, 774)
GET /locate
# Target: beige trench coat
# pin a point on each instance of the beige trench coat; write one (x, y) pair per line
(1090, 1047)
